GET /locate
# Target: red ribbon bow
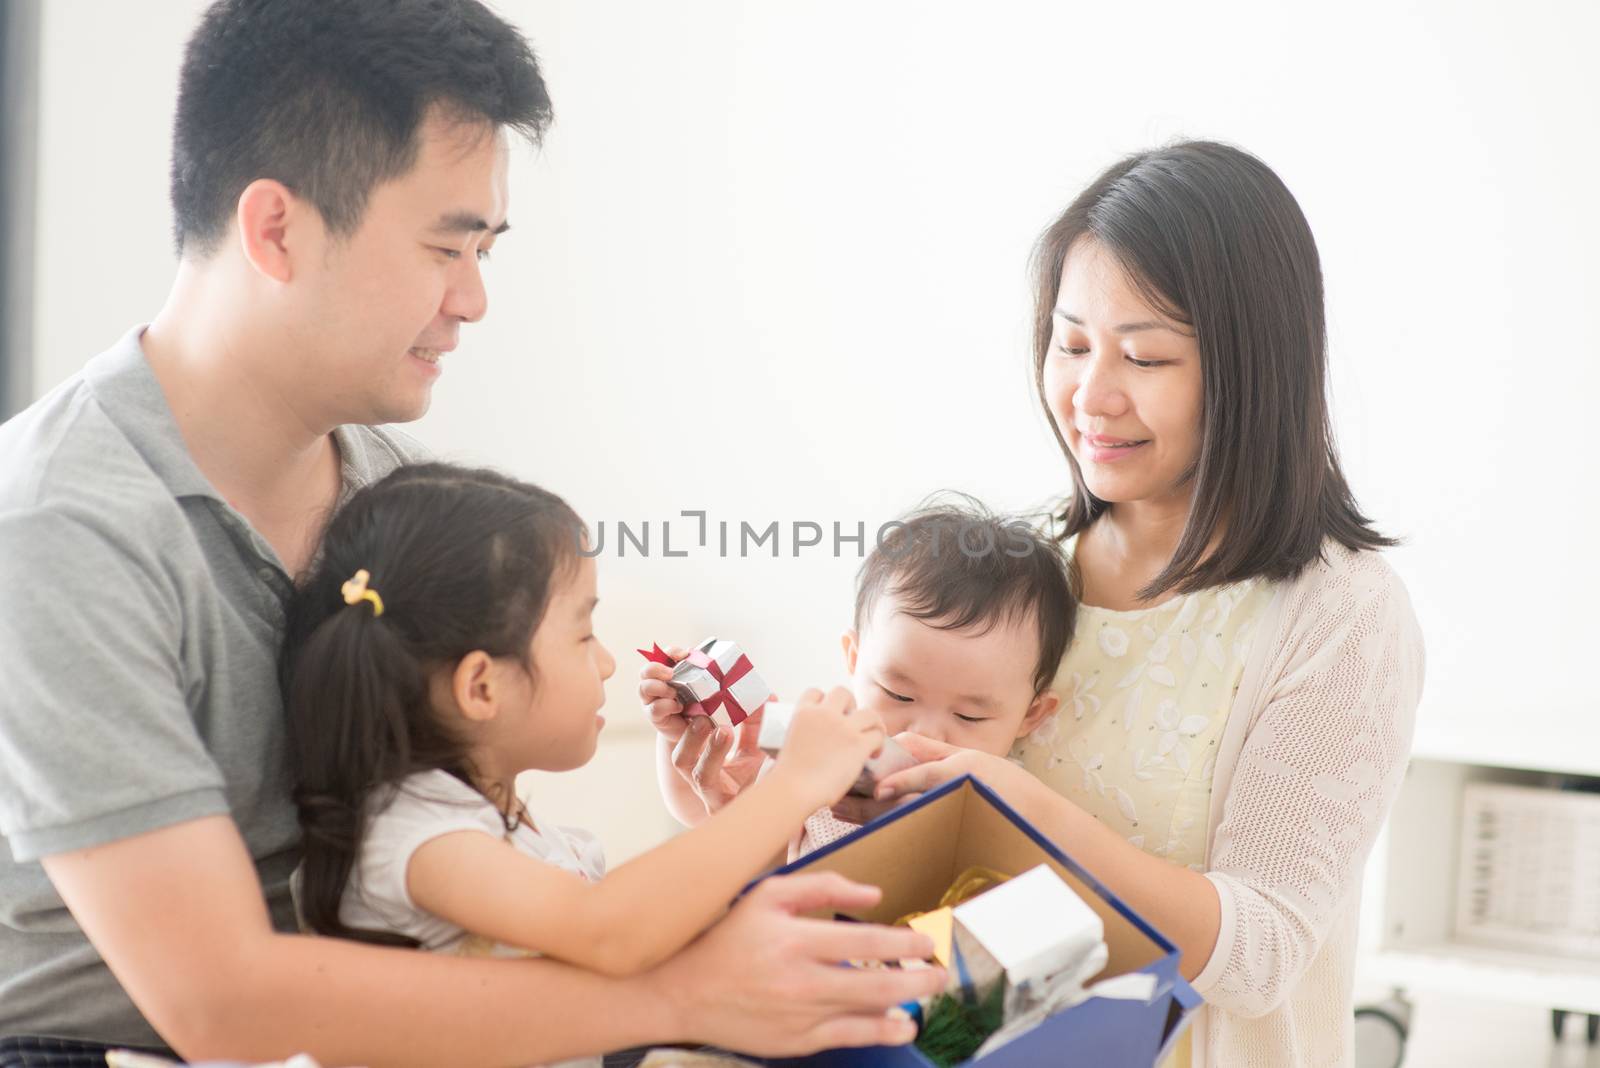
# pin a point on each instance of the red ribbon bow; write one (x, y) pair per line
(741, 667)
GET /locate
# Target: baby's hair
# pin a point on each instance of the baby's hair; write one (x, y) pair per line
(955, 565)
(461, 560)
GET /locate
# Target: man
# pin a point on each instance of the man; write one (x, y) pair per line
(339, 170)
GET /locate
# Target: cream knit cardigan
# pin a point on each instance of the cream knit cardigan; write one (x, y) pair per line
(1310, 760)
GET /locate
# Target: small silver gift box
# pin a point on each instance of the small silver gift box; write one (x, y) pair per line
(741, 687)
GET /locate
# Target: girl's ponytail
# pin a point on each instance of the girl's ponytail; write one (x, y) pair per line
(349, 687)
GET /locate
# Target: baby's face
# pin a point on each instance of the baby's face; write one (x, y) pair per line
(970, 690)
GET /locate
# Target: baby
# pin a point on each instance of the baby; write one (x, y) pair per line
(961, 620)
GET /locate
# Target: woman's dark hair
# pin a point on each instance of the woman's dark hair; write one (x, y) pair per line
(326, 96)
(955, 565)
(1214, 240)
(463, 560)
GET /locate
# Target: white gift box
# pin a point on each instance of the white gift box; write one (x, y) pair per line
(1030, 932)
(892, 758)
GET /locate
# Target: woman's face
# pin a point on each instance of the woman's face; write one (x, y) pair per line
(1122, 381)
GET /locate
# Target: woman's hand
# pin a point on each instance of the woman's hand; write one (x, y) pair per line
(942, 762)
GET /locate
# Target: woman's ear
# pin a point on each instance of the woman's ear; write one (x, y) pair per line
(1044, 706)
(474, 685)
(849, 641)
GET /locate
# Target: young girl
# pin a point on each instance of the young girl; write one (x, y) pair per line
(441, 645)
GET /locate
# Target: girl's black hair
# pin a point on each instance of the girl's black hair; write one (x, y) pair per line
(463, 560)
(1216, 241)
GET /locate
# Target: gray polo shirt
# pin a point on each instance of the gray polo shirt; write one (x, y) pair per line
(140, 617)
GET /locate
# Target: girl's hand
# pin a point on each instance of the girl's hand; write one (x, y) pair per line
(659, 698)
(829, 742)
(942, 762)
(709, 760)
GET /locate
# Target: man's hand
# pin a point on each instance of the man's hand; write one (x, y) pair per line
(769, 981)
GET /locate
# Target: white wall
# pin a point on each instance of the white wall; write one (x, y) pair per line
(771, 264)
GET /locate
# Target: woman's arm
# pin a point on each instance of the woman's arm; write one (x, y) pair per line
(652, 906)
(1182, 904)
(1318, 773)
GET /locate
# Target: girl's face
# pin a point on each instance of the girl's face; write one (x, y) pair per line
(552, 721)
(1122, 381)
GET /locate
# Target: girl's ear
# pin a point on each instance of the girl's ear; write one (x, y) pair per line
(850, 641)
(475, 687)
(1044, 706)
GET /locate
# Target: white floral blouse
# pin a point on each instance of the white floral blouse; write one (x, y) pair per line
(1144, 698)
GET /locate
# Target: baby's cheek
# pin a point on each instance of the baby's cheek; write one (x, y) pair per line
(894, 715)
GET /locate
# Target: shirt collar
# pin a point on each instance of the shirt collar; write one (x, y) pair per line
(131, 396)
(128, 392)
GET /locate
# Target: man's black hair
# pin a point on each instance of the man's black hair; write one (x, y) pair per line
(326, 96)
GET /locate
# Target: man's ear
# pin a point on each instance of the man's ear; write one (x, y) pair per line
(475, 687)
(270, 220)
(1044, 706)
(850, 642)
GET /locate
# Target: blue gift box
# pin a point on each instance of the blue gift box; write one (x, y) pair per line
(916, 851)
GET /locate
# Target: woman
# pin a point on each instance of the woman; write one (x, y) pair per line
(1237, 704)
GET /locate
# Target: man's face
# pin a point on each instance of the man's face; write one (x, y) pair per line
(379, 309)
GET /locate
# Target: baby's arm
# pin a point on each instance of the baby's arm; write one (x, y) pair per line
(652, 906)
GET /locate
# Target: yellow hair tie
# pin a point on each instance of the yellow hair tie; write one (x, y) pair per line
(355, 591)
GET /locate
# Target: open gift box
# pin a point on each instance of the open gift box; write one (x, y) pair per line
(916, 851)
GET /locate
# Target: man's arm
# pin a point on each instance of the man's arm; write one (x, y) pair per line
(178, 916)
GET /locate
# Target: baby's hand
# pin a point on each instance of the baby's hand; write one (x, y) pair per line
(828, 743)
(660, 700)
(716, 763)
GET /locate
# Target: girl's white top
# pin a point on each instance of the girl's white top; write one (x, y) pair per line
(423, 807)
